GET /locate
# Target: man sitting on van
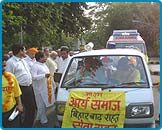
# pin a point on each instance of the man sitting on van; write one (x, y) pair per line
(91, 71)
(125, 73)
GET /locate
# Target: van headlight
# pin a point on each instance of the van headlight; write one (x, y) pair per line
(144, 110)
(60, 108)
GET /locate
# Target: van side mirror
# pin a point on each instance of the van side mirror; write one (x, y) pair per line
(57, 77)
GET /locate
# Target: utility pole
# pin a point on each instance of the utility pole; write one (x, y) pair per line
(21, 35)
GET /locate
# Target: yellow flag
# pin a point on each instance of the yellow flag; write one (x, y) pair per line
(94, 109)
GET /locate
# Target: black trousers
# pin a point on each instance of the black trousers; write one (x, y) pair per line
(28, 100)
(10, 124)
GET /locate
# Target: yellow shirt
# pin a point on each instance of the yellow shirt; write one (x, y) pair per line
(52, 66)
(146, 57)
(17, 91)
(125, 76)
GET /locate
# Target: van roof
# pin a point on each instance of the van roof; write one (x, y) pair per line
(126, 36)
(111, 52)
(125, 31)
(127, 39)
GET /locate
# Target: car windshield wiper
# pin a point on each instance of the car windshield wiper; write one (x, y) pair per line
(133, 83)
(95, 84)
(125, 84)
(91, 85)
(104, 85)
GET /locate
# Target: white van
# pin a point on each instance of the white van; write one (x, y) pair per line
(116, 70)
(128, 39)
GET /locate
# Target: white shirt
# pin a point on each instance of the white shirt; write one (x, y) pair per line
(38, 72)
(63, 64)
(29, 61)
(20, 69)
(58, 61)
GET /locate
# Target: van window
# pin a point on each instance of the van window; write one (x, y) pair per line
(105, 71)
(138, 46)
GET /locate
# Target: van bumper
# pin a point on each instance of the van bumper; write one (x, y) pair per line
(130, 125)
(149, 125)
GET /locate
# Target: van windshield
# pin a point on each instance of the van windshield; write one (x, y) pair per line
(138, 46)
(105, 72)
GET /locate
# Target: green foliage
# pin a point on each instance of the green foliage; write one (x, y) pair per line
(43, 24)
(125, 15)
(11, 23)
(56, 24)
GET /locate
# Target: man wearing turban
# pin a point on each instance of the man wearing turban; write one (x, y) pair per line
(30, 58)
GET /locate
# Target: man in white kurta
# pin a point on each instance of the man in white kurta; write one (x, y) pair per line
(40, 74)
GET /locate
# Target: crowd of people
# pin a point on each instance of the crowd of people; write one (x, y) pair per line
(28, 85)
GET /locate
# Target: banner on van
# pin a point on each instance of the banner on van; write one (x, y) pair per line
(95, 109)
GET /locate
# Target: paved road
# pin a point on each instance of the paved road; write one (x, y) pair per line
(156, 94)
(155, 79)
(52, 119)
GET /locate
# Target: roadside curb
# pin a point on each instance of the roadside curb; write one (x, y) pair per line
(154, 62)
(155, 73)
(157, 121)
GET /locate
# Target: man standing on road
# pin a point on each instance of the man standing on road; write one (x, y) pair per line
(18, 66)
(65, 60)
(52, 66)
(43, 90)
(10, 97)
(30, 58)
(58, 59)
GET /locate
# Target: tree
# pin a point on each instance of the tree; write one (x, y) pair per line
(147, 21)
(11, 23)
(122, 15)
(43, 24)
(74, 23)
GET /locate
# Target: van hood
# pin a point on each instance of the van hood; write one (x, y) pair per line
(133, 95)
